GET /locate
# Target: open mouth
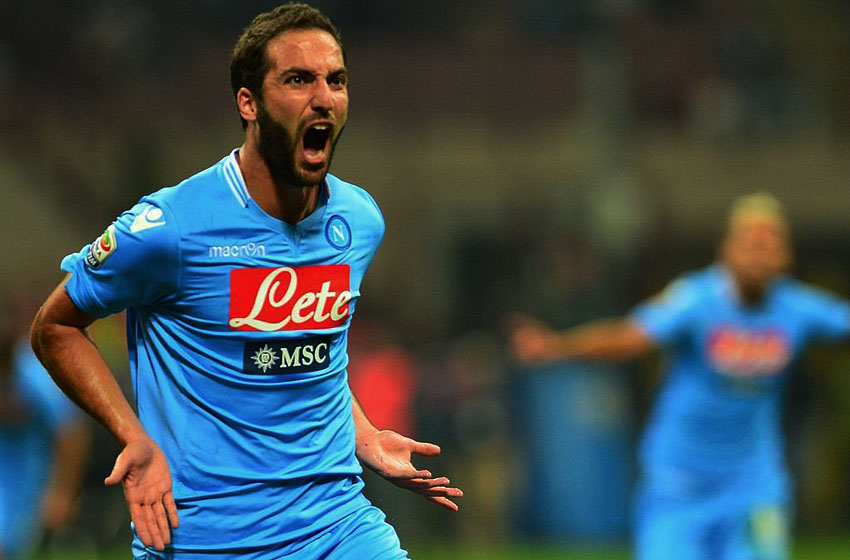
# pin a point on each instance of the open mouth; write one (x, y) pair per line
(316, 141)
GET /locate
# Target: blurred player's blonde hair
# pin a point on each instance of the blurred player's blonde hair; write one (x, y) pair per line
(756, 206)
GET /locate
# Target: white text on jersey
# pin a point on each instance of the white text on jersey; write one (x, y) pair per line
(246, 250)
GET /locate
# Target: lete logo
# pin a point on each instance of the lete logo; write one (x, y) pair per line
(289, 298)
(746, 353)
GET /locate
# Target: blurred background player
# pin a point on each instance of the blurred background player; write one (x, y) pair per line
(43, 449)
(714, 483)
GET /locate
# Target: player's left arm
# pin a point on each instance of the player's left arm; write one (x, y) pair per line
(828, 316)
(70, 453)
(389, 454)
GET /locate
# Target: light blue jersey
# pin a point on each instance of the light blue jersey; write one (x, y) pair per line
(34, 413)
(719, 408)
(237, 333)
(714, 436)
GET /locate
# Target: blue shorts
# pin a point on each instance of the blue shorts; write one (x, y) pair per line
(363, 535)
(18, 520)
(688, 518)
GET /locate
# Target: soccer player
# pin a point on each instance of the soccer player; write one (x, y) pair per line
(43, 446)
(240, 284)
(714, 485)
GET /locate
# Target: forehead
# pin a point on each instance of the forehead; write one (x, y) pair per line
(312, 49)
(758, 225)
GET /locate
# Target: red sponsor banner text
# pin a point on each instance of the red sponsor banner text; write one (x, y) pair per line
(289, 298)
(748, 353)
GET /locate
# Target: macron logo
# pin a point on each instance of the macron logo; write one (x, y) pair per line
(150, 217)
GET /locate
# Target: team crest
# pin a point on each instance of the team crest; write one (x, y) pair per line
(338, 233)
(102, 247)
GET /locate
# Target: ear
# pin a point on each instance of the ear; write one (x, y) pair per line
(246, 103)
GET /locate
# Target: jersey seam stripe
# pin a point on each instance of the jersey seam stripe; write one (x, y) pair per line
(233, 183)
(178, 246)
(232, 177)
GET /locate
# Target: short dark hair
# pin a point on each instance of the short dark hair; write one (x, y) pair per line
(249, 62)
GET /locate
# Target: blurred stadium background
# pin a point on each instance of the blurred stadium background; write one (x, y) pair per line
(564, 159)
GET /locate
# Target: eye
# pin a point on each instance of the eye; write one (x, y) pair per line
(296, 79)
(339, 80)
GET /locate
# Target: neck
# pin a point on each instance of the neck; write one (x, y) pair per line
(283, 201)
(751, 295)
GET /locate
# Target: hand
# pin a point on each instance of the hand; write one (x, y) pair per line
(531, 340)
(143, 471)
(388, 454)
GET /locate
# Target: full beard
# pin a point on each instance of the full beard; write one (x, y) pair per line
(278, 148)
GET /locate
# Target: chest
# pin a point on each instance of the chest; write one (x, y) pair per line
(747, 345)
(251, 279)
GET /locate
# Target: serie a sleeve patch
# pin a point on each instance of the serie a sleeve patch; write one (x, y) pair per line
(102, 247)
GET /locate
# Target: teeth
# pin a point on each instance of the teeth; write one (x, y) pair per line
(320, 127)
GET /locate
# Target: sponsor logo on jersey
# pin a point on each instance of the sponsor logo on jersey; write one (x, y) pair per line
(338, 233)
(150, 217)
(102, 247)
(287, 356)
(289, 298)
(744, 353)
(245, 250)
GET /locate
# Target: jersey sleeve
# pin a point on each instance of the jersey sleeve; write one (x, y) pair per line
(372, 215)
(666, 316)
(828, 316)
(132, 264)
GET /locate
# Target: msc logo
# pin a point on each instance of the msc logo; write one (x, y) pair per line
(286, 356)
(338, 233)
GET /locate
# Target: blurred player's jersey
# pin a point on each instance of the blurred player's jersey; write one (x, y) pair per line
(237, 333)
(718, 413)
(34, 412)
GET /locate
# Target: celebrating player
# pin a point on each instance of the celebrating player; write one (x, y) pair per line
(240, 284)
(714, 484)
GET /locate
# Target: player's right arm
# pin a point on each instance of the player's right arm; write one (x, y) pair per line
(655, 323)
(133, 264)
(607, 339)
(60, 340)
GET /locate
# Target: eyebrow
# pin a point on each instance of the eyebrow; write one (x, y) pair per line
(300, 70)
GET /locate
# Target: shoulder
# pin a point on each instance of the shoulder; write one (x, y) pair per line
(354, 201)
(183, 208)
(351, 193)
(693, 288)
(154, 225)
(669, 315)
(803, 297)
(204, 188)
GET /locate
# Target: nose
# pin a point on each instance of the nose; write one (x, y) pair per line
(322, 101)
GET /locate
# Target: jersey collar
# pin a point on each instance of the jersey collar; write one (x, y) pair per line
(233, 176)
(236, 183)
